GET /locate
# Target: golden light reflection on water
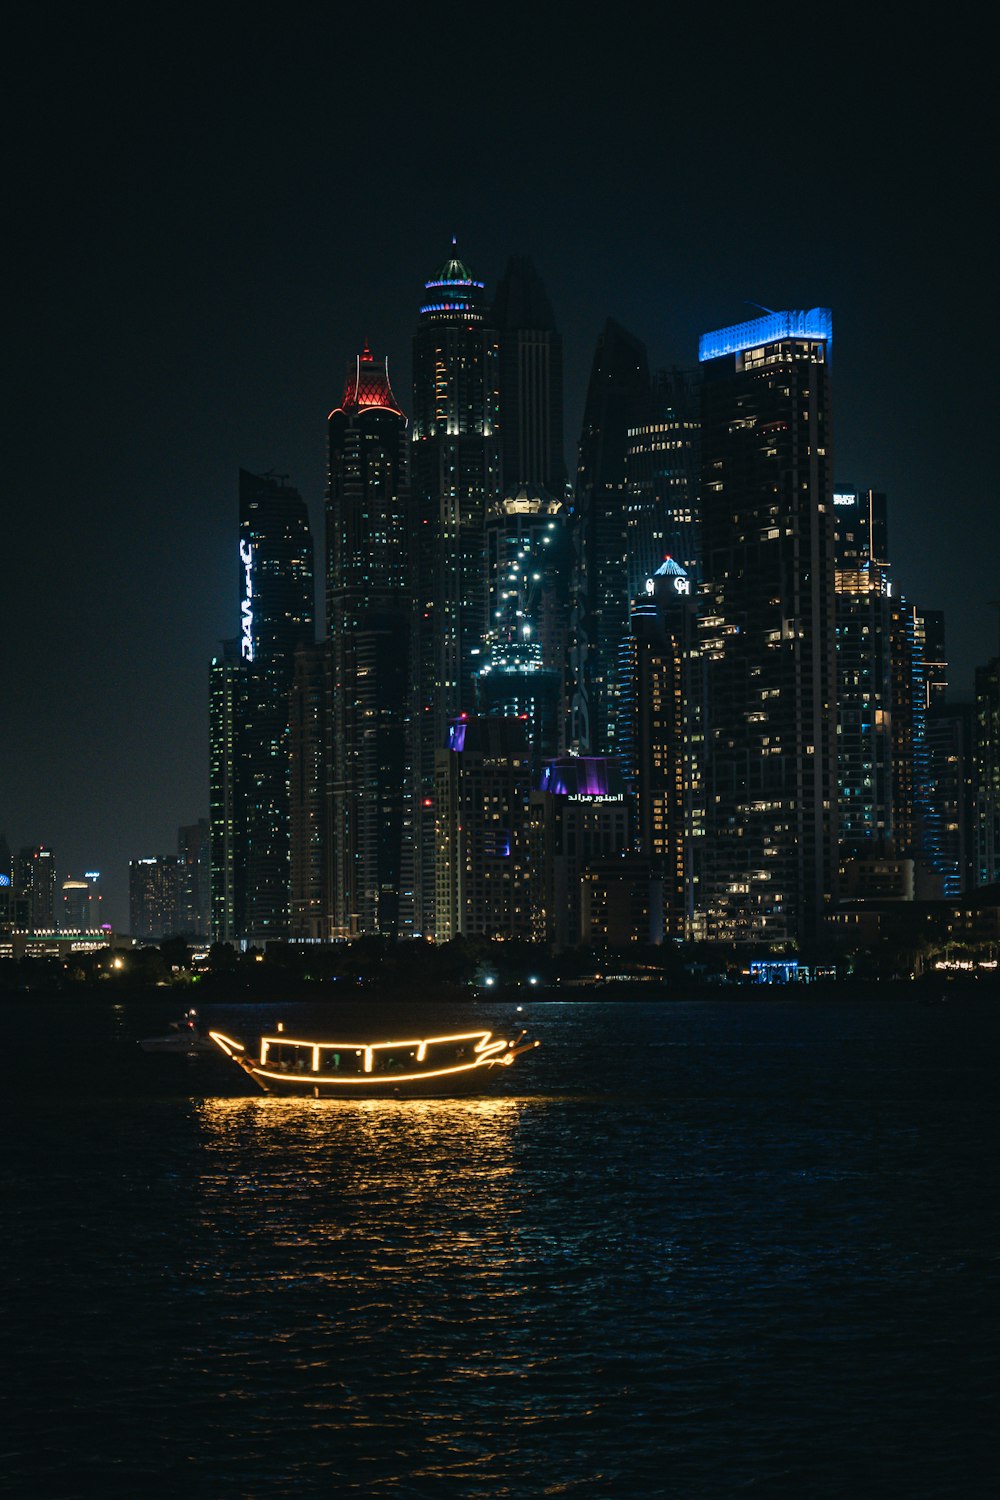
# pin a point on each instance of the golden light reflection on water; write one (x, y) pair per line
(315, 1123)
(418, 1159)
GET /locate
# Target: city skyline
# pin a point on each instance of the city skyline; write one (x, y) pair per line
(162, 343)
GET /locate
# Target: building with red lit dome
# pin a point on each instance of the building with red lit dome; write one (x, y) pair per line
(369, 610)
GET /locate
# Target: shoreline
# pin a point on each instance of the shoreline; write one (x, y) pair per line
(929, 990)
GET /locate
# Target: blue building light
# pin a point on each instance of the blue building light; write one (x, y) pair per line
(817, 323)
(455, 307)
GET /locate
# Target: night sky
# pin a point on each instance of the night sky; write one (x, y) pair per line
(209, 216)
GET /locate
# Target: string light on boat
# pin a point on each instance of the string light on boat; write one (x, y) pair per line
(487, 1052)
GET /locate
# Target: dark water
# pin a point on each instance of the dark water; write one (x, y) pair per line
(706, 1249)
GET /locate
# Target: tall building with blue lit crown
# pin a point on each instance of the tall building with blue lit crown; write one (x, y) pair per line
(455, 478)
(767, 628)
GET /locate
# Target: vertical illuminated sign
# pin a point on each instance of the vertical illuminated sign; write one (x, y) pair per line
(246, 607)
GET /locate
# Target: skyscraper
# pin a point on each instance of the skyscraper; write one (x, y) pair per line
(617, 401)
(531, 382)
(936, 846)
(153, 898)
(482, 805)
(369, 616)
(193, 887)
(74, 913)
(661, 473)
(864, 671)
(276, 605)
(35, 888)
(767, 627)
(527, 617)
(950, 755)
(580, 813)
(6, 885)
(657, 716)
(987, 731)
(311, 747)
(455, 475)
(249, 713)
(919, 679)
(226, 794)
(80, 903)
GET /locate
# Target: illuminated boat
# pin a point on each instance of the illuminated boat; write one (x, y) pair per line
(423, 1067)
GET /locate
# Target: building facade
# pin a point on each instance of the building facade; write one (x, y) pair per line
(987, 756)
(153, 898)
(864, 603)
(580, 814)
(662, 515)
(369, 616)
(527, 617)
(531, 382)
(250, 687)
(659, 716)
(80, 903)
(617, 403)
(226, 797)
(767, 628)
(482, 805)
(951, 764)
(194, 906)
(36, 895)
(455, 477)
(311, 715)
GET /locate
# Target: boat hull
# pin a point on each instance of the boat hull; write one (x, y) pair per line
(439, 1067)
(481, 1080)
